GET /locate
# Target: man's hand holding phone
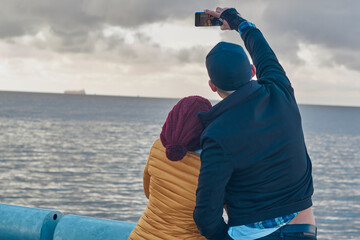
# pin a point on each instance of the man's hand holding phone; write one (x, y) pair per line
(230, 19)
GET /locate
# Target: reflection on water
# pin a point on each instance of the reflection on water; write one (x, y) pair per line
(336, 169)
(81, 168)
(332, 137)
(85, 155)
(82, 155)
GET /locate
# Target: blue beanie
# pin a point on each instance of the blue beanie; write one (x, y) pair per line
(228, 66)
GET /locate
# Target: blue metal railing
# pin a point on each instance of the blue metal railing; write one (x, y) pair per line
(24, 223)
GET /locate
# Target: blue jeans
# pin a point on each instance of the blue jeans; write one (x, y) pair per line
(293, 232)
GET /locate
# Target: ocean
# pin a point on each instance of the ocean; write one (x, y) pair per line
(85, 155)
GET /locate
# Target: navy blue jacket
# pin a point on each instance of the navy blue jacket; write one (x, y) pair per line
(254, 159)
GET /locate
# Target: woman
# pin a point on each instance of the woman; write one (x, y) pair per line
(171, 175)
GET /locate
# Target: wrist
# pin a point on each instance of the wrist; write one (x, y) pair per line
(244, 25)
(233, 18)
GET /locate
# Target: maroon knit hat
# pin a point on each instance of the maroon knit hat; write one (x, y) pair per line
(182, 129)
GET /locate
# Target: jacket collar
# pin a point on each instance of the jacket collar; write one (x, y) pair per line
(239, 96)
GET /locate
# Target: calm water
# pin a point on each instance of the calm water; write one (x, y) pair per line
(85, 155)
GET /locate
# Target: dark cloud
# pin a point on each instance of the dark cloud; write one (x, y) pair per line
(68, 17)
(137, 12)
(77, 25)
(329, 24)
(27, 17)
(194, 54)
(349, 58)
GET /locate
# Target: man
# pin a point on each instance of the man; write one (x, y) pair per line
(254, 159)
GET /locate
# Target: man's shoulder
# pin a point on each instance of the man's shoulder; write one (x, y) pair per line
(223, 126)
(277, 85)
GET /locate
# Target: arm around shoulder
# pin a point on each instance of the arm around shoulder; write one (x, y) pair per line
(214, 175)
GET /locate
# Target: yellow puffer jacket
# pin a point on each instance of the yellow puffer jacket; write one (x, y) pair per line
(171, 190)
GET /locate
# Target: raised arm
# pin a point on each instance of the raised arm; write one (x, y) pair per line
(264, 59)
(146, 179)
(266, 63)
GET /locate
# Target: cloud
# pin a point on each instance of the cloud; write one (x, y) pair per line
(151, 47)
(151, 71)
(331, 25)
(135, 13)
(77, 25)
(74, 21)
(328, 24)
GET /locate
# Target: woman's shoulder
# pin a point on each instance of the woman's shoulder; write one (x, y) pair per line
(159, 146)
(158, 151)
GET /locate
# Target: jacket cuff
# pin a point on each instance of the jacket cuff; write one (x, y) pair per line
(244, 25)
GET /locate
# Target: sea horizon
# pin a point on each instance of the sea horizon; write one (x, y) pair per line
(165, 98)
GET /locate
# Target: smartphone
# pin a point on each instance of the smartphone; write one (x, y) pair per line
(203, 19)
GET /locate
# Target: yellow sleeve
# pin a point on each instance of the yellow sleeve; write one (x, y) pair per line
(146, 179)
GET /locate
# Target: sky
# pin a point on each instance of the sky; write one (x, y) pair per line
(152, 48)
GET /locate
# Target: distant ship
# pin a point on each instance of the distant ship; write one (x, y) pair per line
(75, 92)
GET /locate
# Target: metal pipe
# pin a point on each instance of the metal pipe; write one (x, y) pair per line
(24, 223)
(72, 227)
